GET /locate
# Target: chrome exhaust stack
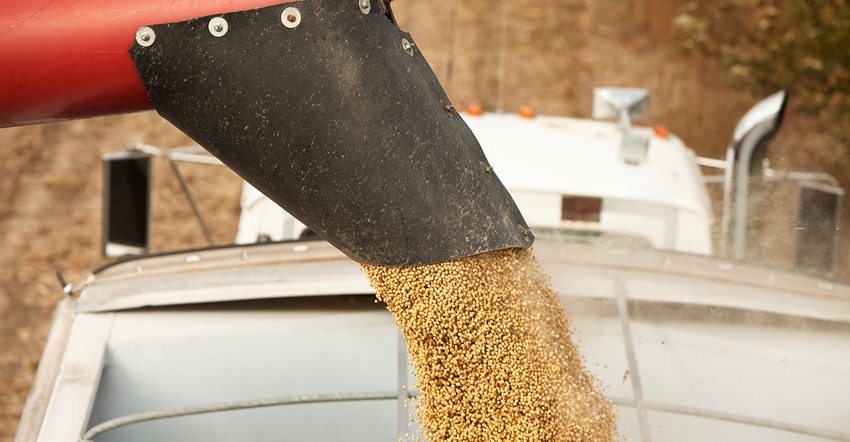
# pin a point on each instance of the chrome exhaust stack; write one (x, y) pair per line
(744, 177)
(330, 110)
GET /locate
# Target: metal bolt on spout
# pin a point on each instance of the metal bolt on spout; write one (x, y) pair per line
(145, 36)
(291, 17)
(488, 171)
(523, 232)
(365, 6)
(408, 46)
(218, 27)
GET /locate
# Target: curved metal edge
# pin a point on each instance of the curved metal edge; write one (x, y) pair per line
(229, 406)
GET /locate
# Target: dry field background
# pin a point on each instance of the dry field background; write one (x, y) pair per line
(548, 55)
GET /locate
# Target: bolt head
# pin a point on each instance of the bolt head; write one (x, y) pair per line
(365, 6)
(218, 27)
(407, 46)
(145, 36)
(523, 232)
(291, 17)
(488, 171)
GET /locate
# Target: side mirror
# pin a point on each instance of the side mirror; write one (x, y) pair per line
(624, 103)
(126, 203)
(613, 102)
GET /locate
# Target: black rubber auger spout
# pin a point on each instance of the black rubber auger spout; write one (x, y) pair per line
(329, 109)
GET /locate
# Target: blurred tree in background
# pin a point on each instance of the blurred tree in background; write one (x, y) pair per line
(799, 45)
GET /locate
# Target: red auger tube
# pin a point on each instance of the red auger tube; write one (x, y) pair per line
(66, 59)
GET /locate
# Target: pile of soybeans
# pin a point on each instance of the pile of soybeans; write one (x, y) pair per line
(492, 350)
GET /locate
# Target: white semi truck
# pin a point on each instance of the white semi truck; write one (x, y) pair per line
(283, 339)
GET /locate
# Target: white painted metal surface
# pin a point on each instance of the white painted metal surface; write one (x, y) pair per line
(540, 159)
(730, 344)
(177, 357)
(260, 219)
(257, 271)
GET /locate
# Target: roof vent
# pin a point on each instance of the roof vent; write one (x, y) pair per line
(623, 103)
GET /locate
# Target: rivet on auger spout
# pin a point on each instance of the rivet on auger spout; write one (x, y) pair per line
(338, 125)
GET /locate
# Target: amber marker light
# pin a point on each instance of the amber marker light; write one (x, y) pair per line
(526, 112)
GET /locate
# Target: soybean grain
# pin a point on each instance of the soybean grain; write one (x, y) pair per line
(492, 350)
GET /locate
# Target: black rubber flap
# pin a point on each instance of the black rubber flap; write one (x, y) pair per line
(334, 114)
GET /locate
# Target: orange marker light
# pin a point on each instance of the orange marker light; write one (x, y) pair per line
(475, 110)
(526, 112)
(662, 131)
